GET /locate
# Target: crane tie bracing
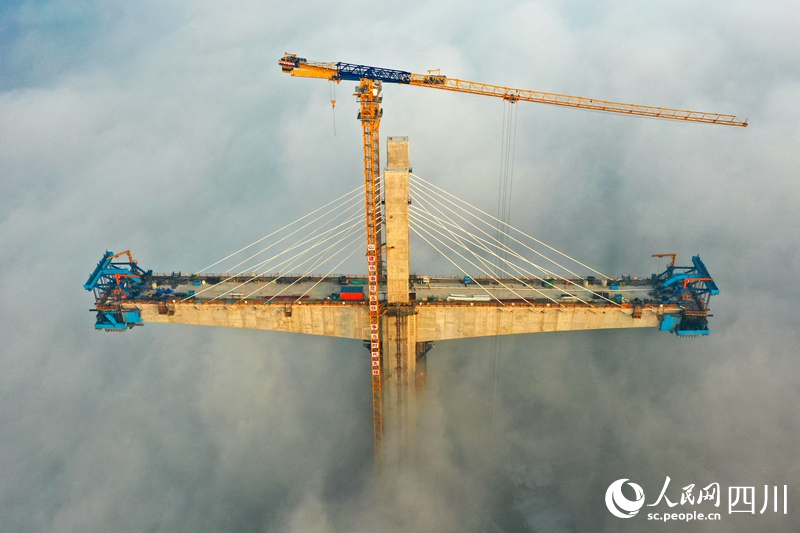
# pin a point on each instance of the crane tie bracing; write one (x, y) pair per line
(368, 92)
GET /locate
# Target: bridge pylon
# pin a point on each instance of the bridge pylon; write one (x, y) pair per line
(400, 320)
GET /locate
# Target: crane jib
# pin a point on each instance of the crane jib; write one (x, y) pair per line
(350, 71)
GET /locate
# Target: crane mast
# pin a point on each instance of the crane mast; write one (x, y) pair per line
(368, 93)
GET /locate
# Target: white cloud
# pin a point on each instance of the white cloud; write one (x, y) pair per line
(169, 129)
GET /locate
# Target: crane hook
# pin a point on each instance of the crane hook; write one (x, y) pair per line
(333, 107)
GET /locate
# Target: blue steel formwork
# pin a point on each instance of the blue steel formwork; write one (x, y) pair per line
(690, 287)
(114, 281)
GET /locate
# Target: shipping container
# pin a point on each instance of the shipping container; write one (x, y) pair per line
(352, 289)
(351, 296)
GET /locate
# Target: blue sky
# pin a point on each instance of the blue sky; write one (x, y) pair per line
(167, 128)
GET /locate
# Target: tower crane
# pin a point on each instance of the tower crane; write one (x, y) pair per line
(368, 93)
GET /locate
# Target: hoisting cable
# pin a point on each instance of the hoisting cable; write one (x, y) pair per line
(508, 147)
(504, 219)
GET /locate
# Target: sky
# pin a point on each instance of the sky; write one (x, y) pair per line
(167, 128)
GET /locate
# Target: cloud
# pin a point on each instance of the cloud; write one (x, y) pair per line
(168, 129)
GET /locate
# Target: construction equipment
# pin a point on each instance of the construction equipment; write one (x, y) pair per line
(690, 287)
(113, 282)
(368, 92)
(338, 72)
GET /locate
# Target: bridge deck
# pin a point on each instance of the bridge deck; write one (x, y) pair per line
(283, 290)
(281, 305)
